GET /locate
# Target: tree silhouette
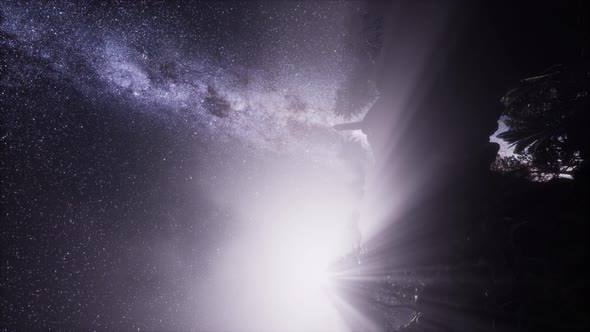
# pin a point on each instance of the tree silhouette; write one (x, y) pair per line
(545, 116)
(364, 40)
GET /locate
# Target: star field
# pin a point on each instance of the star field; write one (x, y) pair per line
(263, 63)
(131, 131)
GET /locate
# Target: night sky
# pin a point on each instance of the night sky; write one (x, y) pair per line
(147, 147)
(131, 133)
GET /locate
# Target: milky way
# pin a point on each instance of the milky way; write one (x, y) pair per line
(263, 73)
(133, 133)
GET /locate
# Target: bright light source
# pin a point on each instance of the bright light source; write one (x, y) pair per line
(311, 277)
(275, 275)
(307, 271)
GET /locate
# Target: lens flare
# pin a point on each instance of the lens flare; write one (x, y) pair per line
(276, 273)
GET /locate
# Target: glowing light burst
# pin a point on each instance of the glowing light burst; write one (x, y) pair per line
(275, 275)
